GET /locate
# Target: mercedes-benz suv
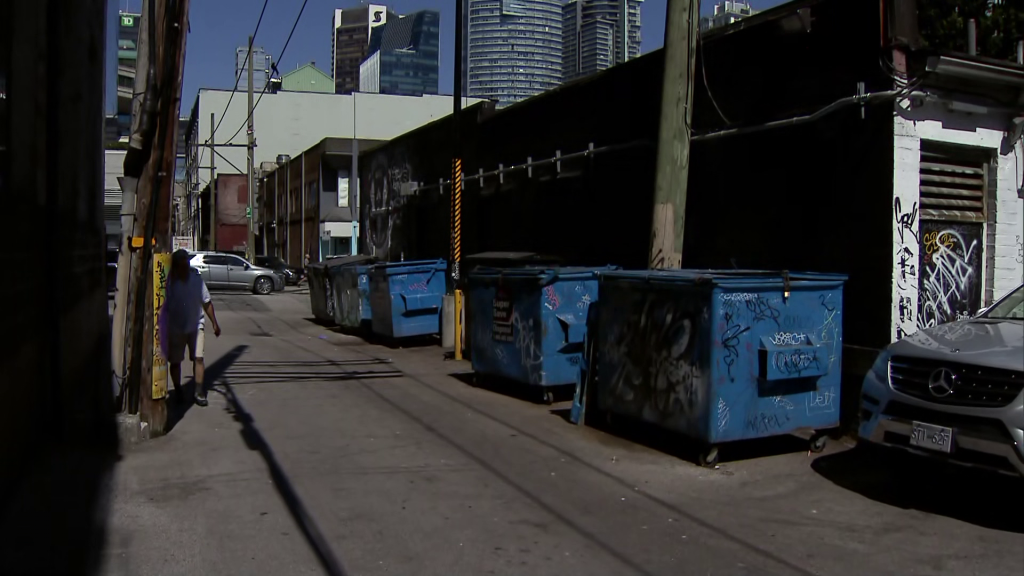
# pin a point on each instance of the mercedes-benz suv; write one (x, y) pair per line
(955, 391)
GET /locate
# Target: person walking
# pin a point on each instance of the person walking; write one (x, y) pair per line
(187, 300)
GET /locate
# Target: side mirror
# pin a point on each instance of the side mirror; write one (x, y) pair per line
(247, 266)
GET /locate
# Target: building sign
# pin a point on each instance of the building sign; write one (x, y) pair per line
(182, 243)
(378, 15)
(502, 329)
(161, 268)
(342, 192)
(127, 20)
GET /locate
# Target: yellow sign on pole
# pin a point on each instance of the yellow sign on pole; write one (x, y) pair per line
(161, 269)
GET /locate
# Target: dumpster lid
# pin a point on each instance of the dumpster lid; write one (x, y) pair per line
(516, 257)
(411, 264)
(344, 261)
(725, 277)
(545, 274)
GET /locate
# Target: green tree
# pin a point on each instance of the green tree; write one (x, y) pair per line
(1000, 25)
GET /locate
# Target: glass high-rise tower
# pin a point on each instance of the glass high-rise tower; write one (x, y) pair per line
(513, 48)
(598, 34)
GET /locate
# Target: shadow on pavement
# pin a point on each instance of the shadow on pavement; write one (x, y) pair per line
(176, 409)
(254, 440)
(908, 481)
(513, 389)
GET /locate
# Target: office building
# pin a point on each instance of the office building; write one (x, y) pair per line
(127, 55)
(403, 56)
(261, 62)
(350, 42)
(598, 34)
(513, 48)
(726, 13)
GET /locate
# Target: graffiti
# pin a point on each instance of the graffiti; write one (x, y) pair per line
(530, 356)
(950, 265)
(584, 302)
(764, 423)
(794, 363)
(499, 353)
(388, 171)
(788, 339)
(723, 415)
(575, 359)
(654, 358)
(161, 265)
(828, 331)
(782, 402)
(737, 296)
(1020, 250)
(905, 246)
(730, 340)
(761, 310)
(420, 286)
(820, 402)
(551, 300)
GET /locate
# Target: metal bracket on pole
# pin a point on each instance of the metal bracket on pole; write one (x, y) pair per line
(501, 173)
(481, 177)
(558, 161)
(529, 166)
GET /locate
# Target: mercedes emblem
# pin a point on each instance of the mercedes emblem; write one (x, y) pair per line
(940, 383)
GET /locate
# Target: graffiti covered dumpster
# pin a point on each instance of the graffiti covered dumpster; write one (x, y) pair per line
(405, 298)
(496, 260)
(321, 294)
(529, 323)
(351, 285)
(721, 356)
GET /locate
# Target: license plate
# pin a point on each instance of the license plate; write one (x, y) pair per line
(931, 437)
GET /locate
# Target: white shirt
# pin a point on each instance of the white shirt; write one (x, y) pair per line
(184, 303)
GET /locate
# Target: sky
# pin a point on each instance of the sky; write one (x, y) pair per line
(218, 27)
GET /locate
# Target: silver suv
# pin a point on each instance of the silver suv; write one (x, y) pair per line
(955, 391)
(227, 271)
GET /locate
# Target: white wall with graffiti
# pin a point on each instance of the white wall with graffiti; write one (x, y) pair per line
(944, 269)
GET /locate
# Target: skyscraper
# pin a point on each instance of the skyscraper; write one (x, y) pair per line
(513, 48)
(726, 13)
(127, 54)
(260, 68)
(598, 34)
(350, 42)
(403, 56)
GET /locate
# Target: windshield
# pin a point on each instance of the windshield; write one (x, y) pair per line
(270, 261)
(1011, 306)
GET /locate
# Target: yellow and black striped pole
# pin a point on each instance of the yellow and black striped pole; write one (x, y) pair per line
(457, 250)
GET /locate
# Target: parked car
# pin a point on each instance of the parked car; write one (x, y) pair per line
(292, 274)
(227, 271)
(955, 391)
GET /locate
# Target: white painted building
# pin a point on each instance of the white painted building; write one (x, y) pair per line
(958, 201)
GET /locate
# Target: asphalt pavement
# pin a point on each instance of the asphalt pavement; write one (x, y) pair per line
(321, 453)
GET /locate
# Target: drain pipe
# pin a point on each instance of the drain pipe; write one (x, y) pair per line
(972, 37)
(860, 99)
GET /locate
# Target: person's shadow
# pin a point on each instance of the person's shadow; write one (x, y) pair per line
(176, 409)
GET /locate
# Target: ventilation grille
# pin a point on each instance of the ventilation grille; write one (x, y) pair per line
(952, 184)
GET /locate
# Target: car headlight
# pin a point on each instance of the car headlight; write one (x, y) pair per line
(881, 366)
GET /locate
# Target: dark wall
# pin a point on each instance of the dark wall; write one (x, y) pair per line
(57, 432)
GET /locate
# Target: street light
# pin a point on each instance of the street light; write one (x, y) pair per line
(282, 161)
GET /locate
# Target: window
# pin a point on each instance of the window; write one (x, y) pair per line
(235, 261)
(215, 260)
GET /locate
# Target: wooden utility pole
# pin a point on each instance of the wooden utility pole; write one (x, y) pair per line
(674, 137)
(250, 243)
(213, 184)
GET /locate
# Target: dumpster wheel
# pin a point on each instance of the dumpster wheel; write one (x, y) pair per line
(548, 396)
(709, 457)
(818, 442)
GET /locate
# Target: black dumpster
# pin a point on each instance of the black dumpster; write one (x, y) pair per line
(321, 294)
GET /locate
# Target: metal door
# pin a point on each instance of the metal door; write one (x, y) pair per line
(950, 271)
(239, 275)
(218, 271)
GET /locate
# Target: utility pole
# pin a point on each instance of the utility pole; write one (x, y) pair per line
(213, 184)
(250, 243)
(302, 206)
(674, 136)
(456, 211)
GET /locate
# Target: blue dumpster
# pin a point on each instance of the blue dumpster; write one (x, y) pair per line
(721, 356)
(529, 323)
(351, 286)
(405, 298)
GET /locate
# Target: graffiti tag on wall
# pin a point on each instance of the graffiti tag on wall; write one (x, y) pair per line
(951, 264)
(388, 171)
(905, 262)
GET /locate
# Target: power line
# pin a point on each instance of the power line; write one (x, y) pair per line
(238, 77)
(280, 58)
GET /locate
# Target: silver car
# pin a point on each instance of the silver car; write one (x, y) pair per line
(955, 391)
(227, 271)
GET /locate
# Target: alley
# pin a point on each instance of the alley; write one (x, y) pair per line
(321, 453)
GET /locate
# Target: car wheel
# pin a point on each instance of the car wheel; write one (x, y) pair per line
(263, 286)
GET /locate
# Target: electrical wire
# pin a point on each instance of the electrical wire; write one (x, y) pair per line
(238, 77)
(704, 72)
(280, 57)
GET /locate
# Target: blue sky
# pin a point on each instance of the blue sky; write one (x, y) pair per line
(218, 27)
